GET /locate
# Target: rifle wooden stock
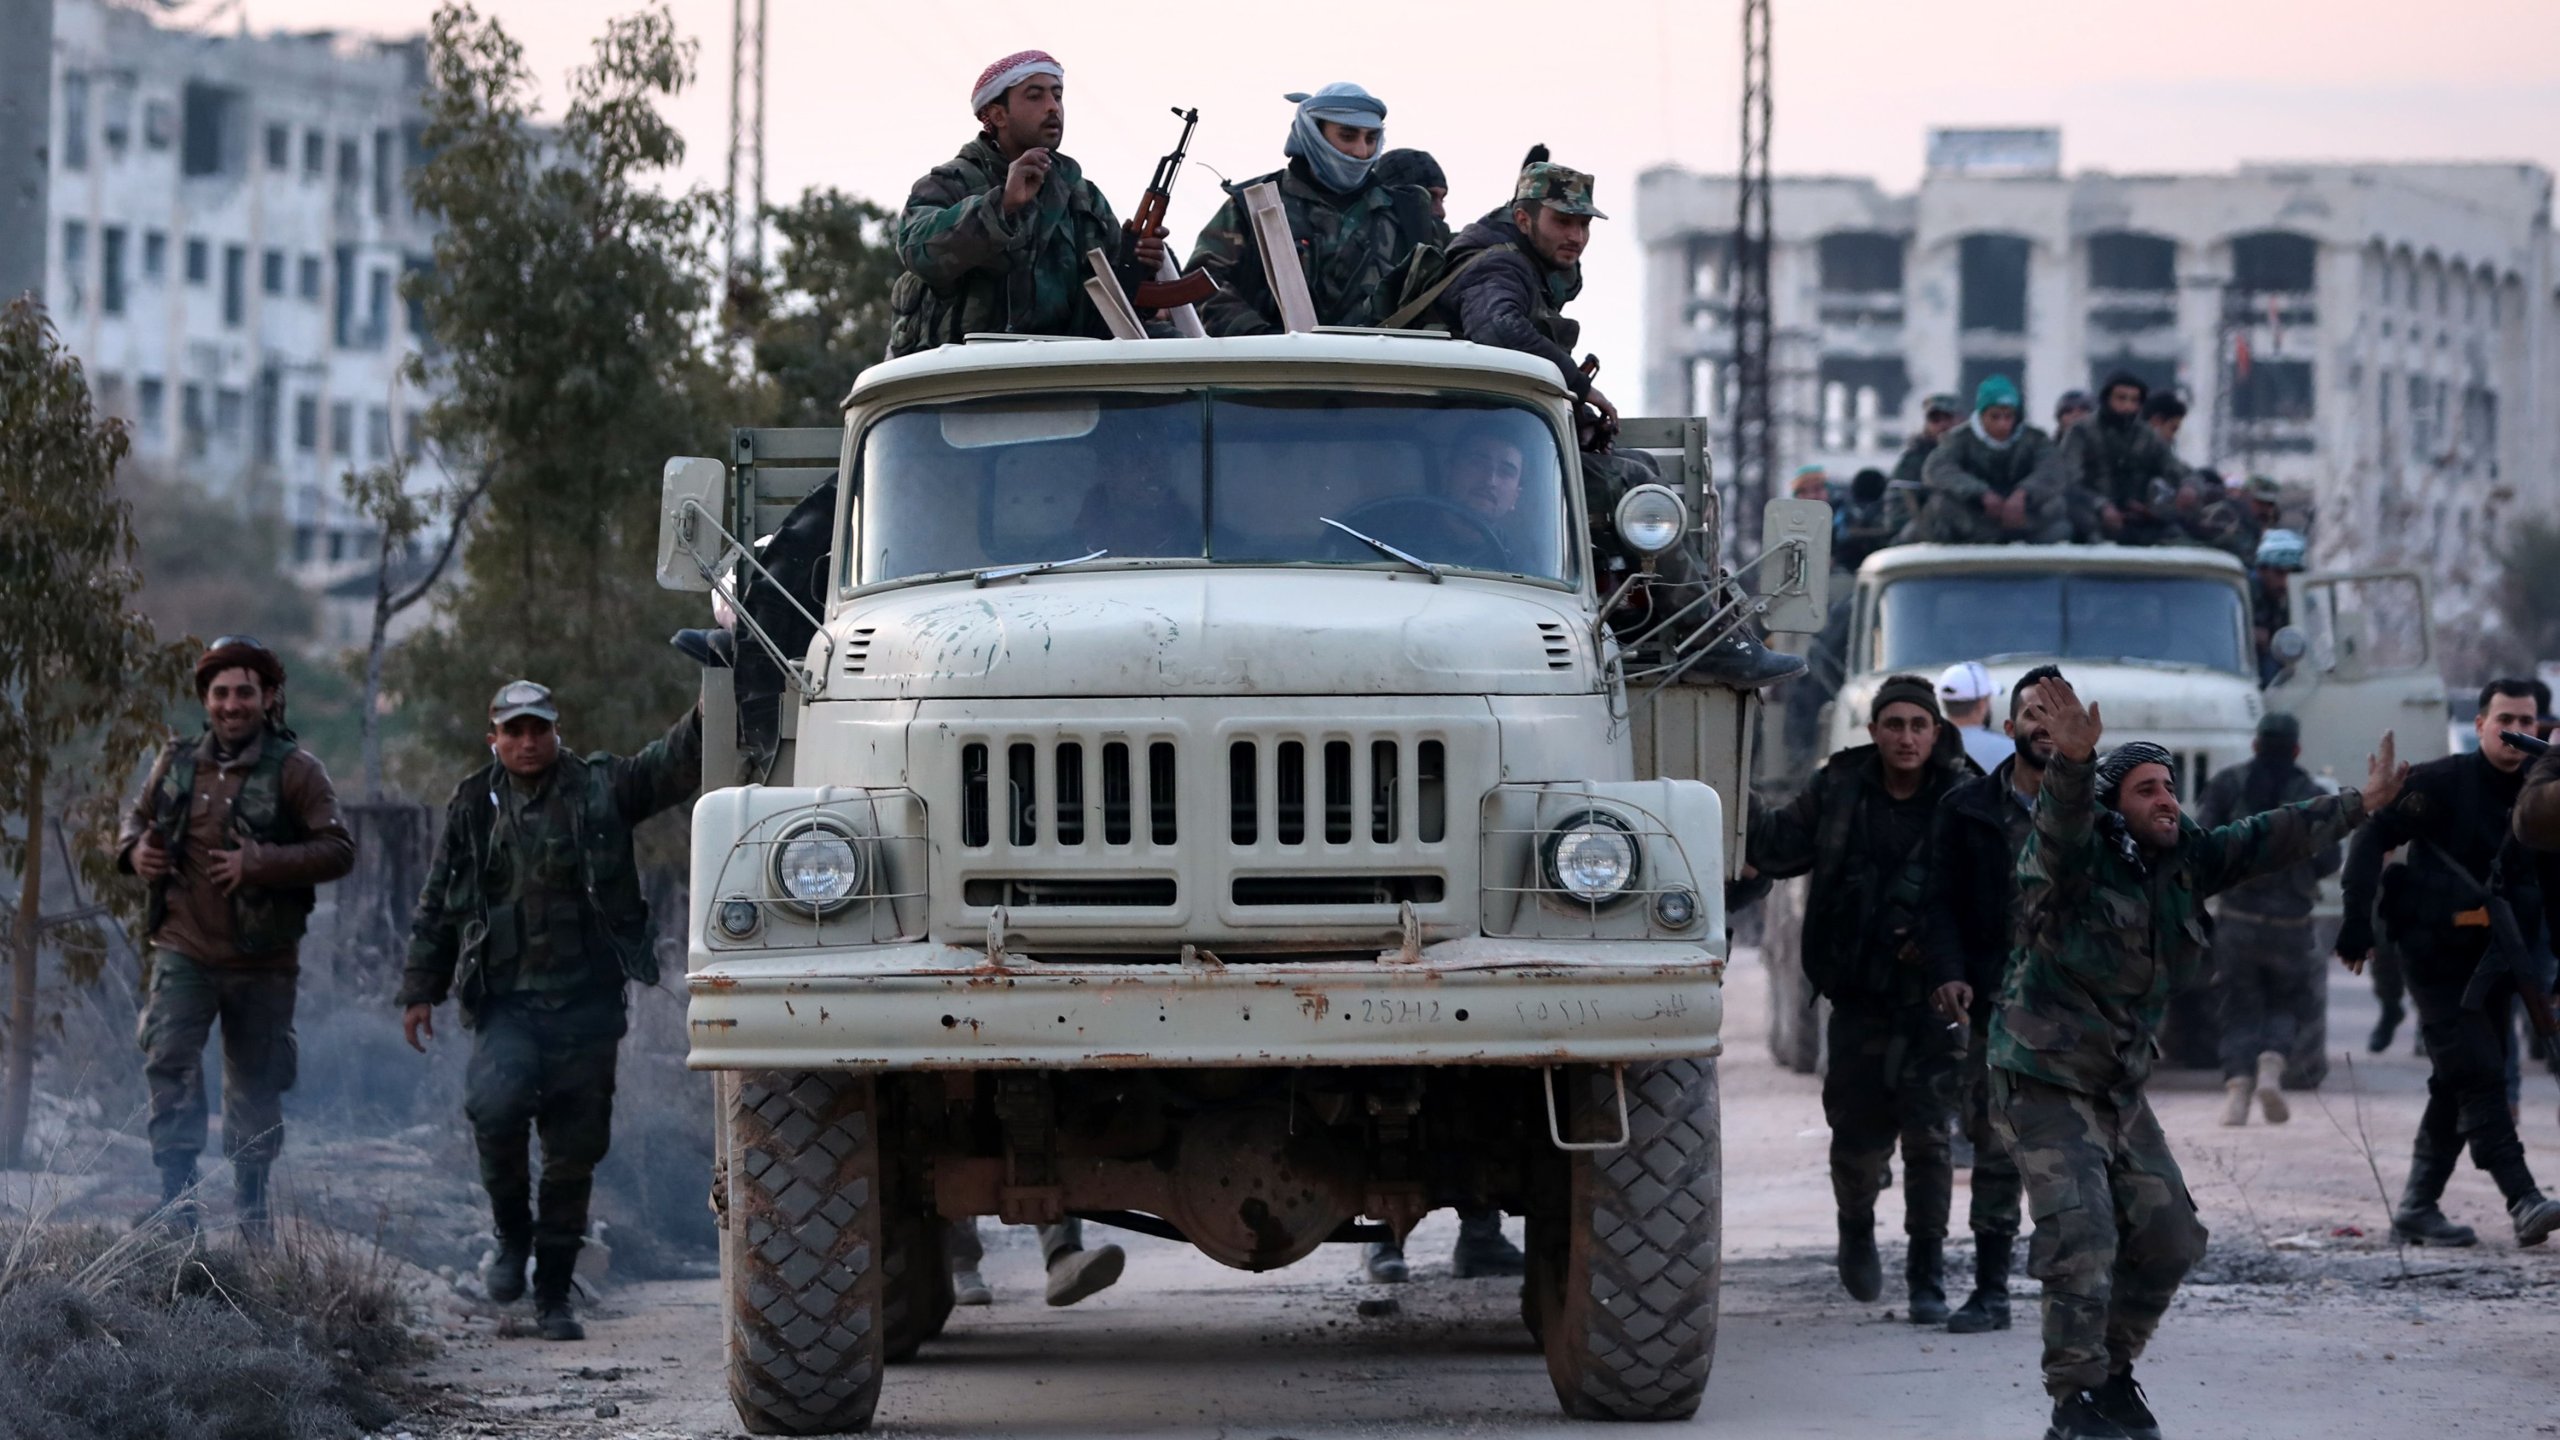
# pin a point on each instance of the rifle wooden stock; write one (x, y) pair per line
(1180, 289)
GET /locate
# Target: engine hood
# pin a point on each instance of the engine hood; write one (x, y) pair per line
(1212, 632)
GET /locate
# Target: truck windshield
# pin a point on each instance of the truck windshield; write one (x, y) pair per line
(1467, 482)
(1929, 621)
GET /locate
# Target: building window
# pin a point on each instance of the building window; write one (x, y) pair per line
(2122, 260)
(271, 272)
(1710, 267)
(350, 164)
(306, 423)
(213, 124)
(382, 172)
(279, 147)
(230, 412)
(343, 275)
(75, 120)
(377, 433)
(2273, 390)
(342, 430)
(111, 269)
(377, 308)
(191, 426)
(150, 394)
(199, 261)
(414, 270)
(155, 255)
(309, 278)
(2274, 262)
(270, 419)
(2157, 374)
(1859, 262)
(111, 393)
(235, 283)
(1859, 393)
(1992, 281)
(1978, 369)
(159, 125)
(75, 264)
(116, 125)
(315, 154)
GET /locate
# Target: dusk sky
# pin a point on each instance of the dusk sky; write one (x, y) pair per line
(867, 96)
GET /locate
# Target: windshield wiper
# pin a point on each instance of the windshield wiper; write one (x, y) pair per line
(1016, 572)
(1391, 552)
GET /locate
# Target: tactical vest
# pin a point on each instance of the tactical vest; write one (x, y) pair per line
(264, 918)
(614, 909)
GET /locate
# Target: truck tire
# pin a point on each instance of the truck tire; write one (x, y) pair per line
(1795, 1021)
(804, 1290)
(915, 1284)
(1631, 1331)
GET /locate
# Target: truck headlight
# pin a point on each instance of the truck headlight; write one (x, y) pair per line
(1591, 857)
(1650, 518)
(818, 866)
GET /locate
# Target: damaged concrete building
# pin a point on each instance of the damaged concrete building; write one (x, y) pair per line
(230, 225)
(2383, 338)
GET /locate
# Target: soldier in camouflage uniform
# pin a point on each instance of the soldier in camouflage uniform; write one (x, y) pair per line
(1418, 168)
(1856, 828)
(232, 833)
(994, 241)
(1356, 231)
(2111, 890)
(1986, 482)
(2121, 477)
(532, 918)
(1938, 415)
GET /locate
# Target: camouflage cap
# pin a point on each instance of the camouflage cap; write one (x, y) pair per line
(1567, 192)
(2263, 487)
(1942, 404)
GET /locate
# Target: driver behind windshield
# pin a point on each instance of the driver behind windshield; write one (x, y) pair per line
(1138, 509)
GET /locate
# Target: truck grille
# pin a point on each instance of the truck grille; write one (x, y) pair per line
(1359, 790)
(1136, 790)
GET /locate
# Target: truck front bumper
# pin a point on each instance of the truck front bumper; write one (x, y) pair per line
(941, 1007)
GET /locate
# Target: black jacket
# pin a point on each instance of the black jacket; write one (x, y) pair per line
(2457, 809)
(2287, 894)
(1509, 298)
(1969, 870)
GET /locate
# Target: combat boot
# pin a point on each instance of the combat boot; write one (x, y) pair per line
(2418, 1221)
(2386, 1027)
(502, 1278)
(2121, 1400)
(1481, 1250)
(1987, 1308)
(710, 649)
(1383, 1262)
(555, 1270)
(1740, 662)
(1925, 1267)
(249, 1197)
(2271, 1087)
(1861, 1269)
(2535, 1217)
(177, 1207)
(2078, 1415)
(2237, 1092)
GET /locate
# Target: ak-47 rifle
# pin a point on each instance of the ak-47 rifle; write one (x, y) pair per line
(2507, 956)
(2529, 744)
(1188, 289)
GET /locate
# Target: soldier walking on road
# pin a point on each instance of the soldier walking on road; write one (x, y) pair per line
(2111, 889)
(1971, 874)
(233, 833)
(2262, 961)
(994, 239)
(2454, 817)
(1856, 828)
(533, 920)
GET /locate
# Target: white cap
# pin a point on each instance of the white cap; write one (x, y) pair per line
(1965, 682)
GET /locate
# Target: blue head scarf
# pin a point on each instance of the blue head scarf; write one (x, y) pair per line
(1343, 104)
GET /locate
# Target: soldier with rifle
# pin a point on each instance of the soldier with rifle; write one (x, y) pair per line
(2462, 875)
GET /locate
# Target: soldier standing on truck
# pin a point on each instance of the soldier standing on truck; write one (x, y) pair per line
(1856, 828)
(1969, 872)
(2279, 558)
(2262, 961)
(2111, 889)
(2454, 817)
(1354, 230)
(232, 834)
(994, 240)
(2121, 478)
(533, 919)
(1509, 277)
(1986, 482)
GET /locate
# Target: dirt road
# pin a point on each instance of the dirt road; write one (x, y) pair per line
(2290, 1329)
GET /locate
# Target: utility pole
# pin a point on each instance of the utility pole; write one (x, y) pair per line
(1754, 435)
(26, 144)
(742, 219)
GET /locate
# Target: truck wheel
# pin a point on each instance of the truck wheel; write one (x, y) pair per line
(915, 1284)
(804, 1294)
(1632, 1330)
(1795, 1021)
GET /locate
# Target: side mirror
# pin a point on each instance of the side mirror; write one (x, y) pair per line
(2289, 644)
(689, 542)
(1795, 566)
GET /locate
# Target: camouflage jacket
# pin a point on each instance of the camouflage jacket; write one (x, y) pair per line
(2285, 894)
(2098, 462)
(1352, 247)
(1512, 299)
(972, 269)
(2107, 929)
(1963, 467)
(1858, 917)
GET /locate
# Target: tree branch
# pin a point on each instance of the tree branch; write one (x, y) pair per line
(470, 500)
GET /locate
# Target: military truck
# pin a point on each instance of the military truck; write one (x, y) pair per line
(2161, 639)
(1208, 807)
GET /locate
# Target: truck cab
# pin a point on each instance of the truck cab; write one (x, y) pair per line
(1215, 803)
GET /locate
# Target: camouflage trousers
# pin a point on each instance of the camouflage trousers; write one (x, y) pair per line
(259, 1057)
(2262, 971)
(2115, 1228)
(1995, 1172)
(542, 1070)
(1892, 1075)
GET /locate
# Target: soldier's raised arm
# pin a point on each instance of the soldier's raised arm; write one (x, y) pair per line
(2254, 845)
(664, 774)
(1779, 842)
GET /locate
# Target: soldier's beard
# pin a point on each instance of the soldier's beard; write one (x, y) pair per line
(2029, 755)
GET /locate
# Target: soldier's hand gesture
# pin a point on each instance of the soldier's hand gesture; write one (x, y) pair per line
(150, 857)
(2075, 728)
(1023, 178)
(2384, 773)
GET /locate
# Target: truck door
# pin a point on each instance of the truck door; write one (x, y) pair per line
(2370, 668)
